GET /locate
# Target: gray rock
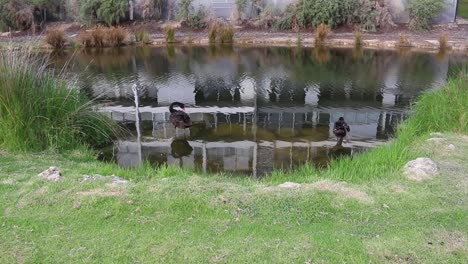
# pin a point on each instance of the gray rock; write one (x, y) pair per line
(421, 169)
(51, 174)
(289, 185)
(451, 147)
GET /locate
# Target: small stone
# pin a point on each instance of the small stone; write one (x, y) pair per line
(421, 169)
(289, 185)
(51, 174)
(451, 147)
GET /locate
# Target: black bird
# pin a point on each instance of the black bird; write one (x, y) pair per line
(341, 129)
(179, 118)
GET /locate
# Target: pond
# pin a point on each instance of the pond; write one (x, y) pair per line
(254, 109)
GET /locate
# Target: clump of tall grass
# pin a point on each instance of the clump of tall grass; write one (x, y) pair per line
(56, 38)
(212, 34)
(115, 36)
(358, 39)
(404, 41)
(321, 33)
(142, 36)
(39, 111)
(85, 39)
(443, 42)
(98, 36)
(226, 34)
(170, 34)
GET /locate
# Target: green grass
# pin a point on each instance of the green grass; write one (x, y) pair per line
(37, 111)
(463, 8)
(173, 216)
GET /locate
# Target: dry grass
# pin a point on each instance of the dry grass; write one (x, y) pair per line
(321, 33)
(226, 34)
(98, 37)
(443, 42)
(358, 42)
(170, 34)
(404, 41)
(85, 39)
(212, 34)
(115, 36)
(56, 38)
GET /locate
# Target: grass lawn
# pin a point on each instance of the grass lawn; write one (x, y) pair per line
(187, 218)
(463, 8)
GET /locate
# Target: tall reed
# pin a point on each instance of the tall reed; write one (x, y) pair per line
(39, 110)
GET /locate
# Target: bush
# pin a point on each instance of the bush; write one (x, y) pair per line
(184, 10)
(170, 34)
(321, 33)
(241, 5)
(422, 12)
(212, 34)
(39, 111)
(56, 38)
(109, 11)
(330, 12)
(197, 19)
(226, 34)
(141, 35)
(115, 36)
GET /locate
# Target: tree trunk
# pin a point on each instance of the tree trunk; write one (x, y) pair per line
(131, 9)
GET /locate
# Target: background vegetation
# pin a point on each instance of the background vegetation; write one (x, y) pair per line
(369, 15)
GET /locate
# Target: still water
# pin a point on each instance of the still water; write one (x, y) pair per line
(254, 109)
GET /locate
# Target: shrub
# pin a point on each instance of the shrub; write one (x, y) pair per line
(98, 36)
(197, 19)
(226, 34)
(212, 34)
(240, 5)
(190, 39)
(321, 33)
(330, 12)
(170, 34)
(288, 19)
(115, 36)
(141, 35)
(39, 111)
(422, 12)
(85, 39)
(184, 10)
(108, 11)
(56, 38)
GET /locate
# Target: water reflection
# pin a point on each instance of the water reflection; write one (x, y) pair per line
(255, 109)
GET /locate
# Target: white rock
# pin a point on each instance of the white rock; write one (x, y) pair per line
(451, 147)
(115, 179)
(289, 185)
(51, 174)
(421, 169)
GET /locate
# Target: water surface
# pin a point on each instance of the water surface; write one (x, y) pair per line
(254, 109)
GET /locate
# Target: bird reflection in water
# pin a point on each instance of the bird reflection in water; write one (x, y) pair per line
(180, 148)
